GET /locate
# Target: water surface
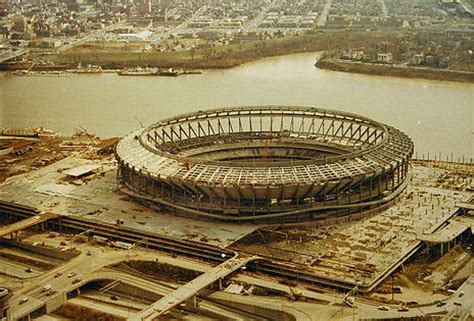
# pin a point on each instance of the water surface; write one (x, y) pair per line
(437, 115)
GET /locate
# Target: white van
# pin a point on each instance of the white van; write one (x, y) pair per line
(47, 287)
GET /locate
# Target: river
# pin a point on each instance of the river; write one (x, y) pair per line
(439, 116)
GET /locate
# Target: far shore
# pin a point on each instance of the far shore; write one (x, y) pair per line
(220, 57)
(395, 70)
(237, 54)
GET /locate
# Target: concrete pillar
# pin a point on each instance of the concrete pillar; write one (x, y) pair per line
(191, 302)
(55, 303)
(442, 249)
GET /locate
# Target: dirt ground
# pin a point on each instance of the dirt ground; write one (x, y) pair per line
(428, 278)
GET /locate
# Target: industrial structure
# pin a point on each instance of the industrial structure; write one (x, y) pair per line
(265, 163)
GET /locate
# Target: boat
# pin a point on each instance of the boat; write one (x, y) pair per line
(138, 72)
(169, 72)
(20, 72)
(89, 69)
(192, 72)
(40, 132)
(53, 73)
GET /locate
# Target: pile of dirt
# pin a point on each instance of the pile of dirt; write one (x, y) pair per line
(74, 312)
(161, 271)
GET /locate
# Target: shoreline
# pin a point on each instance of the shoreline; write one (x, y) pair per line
(224, 57)
(322, 63)
(234, 55)
(395, 70)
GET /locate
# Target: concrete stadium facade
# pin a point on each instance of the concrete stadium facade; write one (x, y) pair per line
(271, 164)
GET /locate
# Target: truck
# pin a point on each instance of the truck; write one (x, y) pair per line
(122, 245)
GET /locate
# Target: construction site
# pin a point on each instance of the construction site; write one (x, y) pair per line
(244, 213)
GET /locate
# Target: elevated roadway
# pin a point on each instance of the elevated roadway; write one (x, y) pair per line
(191, 288)
(9, 55)
(26, 223)
(455, 228)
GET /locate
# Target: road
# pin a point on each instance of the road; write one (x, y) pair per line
(383, 5)
(89, 37)
(190, 289)
(26, 223)
(324, 14)
(7, 55)
(91, 267)
(259, 18)
(454, 303)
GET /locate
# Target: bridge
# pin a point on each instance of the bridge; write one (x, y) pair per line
(26, 223)
(10, 54)
(189, 290)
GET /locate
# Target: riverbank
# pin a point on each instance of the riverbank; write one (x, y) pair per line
(395, 70)
(211, 57)
(221, 57)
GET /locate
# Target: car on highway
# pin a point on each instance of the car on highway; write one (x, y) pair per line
(24, 300)
(457, 303)
(461, 294)
(349, 301)
(114, 297)
(383, 308)
(76, 281)
(440, 304)
(51, 292)
(3, 292)
(70, 275)
(29, 270)
(58, 274)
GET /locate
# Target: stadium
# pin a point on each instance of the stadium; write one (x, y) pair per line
(270, 164)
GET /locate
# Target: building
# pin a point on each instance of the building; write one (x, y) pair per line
(385, 58)
(134, 37)
(353, 54)
(254, 164)
(45, 43)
